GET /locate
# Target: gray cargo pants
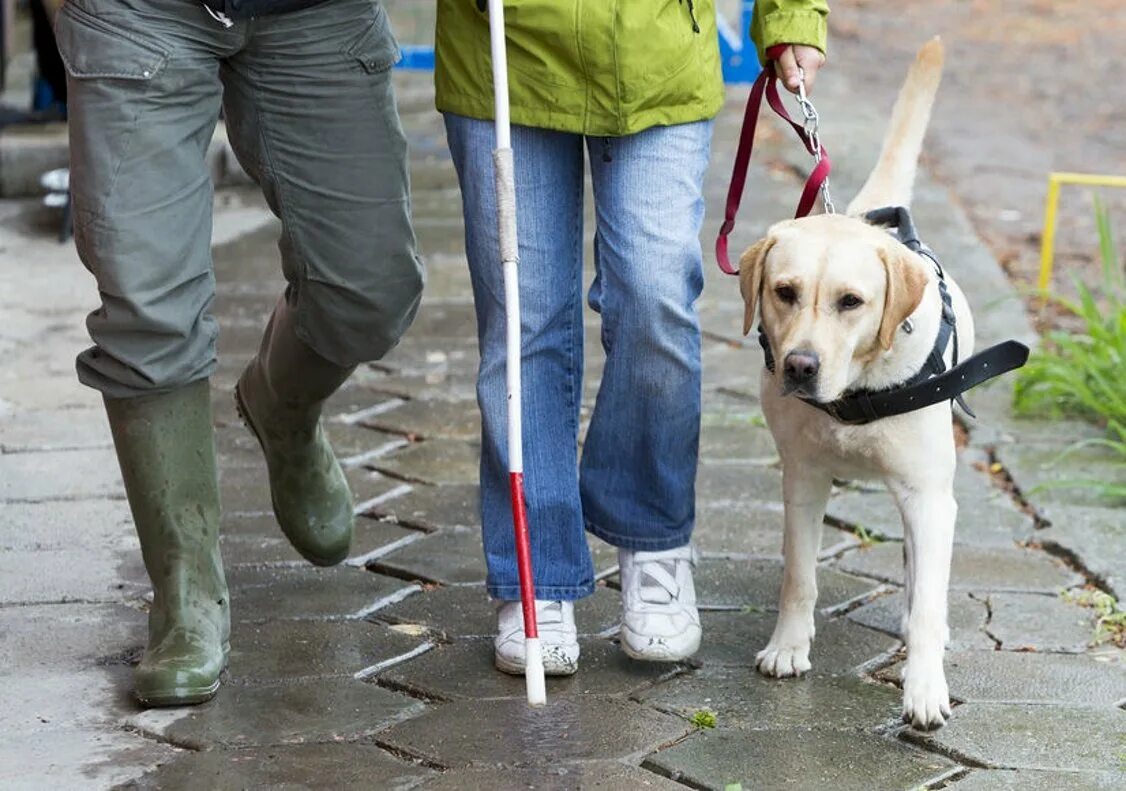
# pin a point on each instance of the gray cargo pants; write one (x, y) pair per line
(310, 112)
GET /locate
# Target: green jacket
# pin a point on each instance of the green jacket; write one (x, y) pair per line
(603, 67)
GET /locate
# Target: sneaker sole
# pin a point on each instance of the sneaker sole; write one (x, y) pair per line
(658, 653)
(550, 668)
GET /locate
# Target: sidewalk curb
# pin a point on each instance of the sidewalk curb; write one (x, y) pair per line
(27, 151)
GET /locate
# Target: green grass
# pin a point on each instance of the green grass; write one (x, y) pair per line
(866, 537)
(1082, 374)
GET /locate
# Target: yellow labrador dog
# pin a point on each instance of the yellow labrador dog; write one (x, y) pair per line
(846, 307)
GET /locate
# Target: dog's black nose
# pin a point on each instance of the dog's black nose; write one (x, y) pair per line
(802, 366)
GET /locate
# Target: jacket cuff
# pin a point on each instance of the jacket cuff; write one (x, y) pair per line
(792, 27)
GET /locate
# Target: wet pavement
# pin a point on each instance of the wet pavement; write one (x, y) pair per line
(378, 673)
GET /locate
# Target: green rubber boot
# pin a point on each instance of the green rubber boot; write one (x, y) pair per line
(167, 454)
(280, 395)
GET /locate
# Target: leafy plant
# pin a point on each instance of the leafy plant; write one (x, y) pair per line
(704, 719)
(1083, 374)
(866, 537)
(1110, 626)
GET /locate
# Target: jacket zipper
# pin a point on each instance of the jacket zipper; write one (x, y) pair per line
(692, 15)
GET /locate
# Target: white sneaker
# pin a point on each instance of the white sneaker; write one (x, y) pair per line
(558, 637)
(660, 622)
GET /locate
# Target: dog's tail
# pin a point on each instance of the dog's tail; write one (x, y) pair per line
(891, 181)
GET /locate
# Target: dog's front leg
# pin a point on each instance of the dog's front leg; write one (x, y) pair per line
(805, 492)
(928, 518)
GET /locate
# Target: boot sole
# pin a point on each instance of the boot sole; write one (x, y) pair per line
(191, 696)
(244, 416)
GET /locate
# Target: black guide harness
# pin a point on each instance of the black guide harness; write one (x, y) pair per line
(934, 383)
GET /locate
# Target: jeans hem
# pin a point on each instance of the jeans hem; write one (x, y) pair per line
(640, 544)
(543, 593)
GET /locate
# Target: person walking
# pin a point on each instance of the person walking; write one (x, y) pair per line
(306, 94)
(635, 85)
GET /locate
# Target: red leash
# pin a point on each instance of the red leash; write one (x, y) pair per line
(767, 83)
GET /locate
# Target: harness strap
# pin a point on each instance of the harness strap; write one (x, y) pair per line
(766, 84)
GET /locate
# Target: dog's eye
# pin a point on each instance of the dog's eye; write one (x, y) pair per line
(849, 302)
(786, 294)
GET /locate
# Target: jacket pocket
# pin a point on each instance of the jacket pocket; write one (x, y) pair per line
(655, 46)
(375, 49)
(92, 48)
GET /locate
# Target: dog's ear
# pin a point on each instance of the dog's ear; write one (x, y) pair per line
(906, 283)
(750, 278)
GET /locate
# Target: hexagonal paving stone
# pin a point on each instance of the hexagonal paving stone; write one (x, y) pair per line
(452, 555)
(728, 583)
(973, 568)
(742, 698)
(733, 638)
(799, 760)
(1031, 780)
(430, 419)
(325, 710)
(467, 612)
(288, 650)
(465, 670)
(1041, 623)
(965, 615)
(492, 732)
(570, 777)
(436, 461)
(295, 767)
(1008, 677)
(270, 592)
(1022, 736)
(434, 507)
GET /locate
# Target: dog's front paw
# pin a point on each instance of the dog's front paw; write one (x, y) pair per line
(926, 699)
(784, 660)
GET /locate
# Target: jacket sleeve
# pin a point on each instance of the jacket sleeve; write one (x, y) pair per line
(789, 22)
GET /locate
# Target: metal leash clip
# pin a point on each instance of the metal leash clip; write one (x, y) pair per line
(812, 127)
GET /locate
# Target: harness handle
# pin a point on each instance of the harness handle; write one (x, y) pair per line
(767, 84)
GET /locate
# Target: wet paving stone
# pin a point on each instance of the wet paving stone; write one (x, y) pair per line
(434, 507)
(438, 461)
(450, 556)
(1012, 677)
(1041, 623)
(1002, 735)
(253, 549)
(428, 420)
(733, 638)
(351, 442)
(298, 650)
(294, 767)
(755, 529)
(446, 385)
(965, 615)
(973, 568)
(736, 485)
(1032, 780)
(244, 489)
(255, 525)
(726, 583)
(742, 699)
(492, 732)
(570, 777)
(325, 710)
(465, 670)
(456, 612)
(799, 760)
(260, 593)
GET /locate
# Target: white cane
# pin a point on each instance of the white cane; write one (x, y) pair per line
(509, 256)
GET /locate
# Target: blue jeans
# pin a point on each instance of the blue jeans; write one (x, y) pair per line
(635, 485)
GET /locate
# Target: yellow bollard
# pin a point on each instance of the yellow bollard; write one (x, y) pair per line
(1051, 204)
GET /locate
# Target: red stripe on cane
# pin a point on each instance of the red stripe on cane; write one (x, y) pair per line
(523, 553)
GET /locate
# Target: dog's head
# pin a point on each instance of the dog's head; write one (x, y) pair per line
(832, 291)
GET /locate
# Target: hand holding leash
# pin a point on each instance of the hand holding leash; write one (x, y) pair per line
(797, 65)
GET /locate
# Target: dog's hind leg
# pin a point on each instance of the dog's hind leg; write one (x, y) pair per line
(806, 492)
(928, 519)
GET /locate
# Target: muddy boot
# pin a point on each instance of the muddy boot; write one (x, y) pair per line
(279, 396)
(167, 454)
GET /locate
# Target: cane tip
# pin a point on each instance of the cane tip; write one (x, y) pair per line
(534, 681)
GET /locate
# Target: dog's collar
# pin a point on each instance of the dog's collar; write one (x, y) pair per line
(933, 383)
